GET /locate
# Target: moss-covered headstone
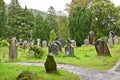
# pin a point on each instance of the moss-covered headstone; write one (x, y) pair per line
(50, 64)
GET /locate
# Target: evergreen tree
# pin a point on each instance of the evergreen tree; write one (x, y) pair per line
(51, 18)
(80, 22)
(2, 18)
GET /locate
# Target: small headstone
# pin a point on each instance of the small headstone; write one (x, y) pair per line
(38, 42)
(62, 42)
(44, 43)
(111, 39)
(24, 44)
(73, 43)
(53, 48)
(32, 53)
(86, 42)
(20, 41)
(13, 49)
(91, 37)
(50, 64)
(69, 49)
(102, 48)
(116, 39)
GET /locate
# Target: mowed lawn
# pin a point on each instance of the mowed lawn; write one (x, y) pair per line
(84, 57)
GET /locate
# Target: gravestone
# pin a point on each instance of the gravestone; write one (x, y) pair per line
(38, 42)
(53, 48)
(13, 49)
(73, 43)
(86, 42)
(50, 64)
(69, 49)
(91, 38)
(111, 39)
(62, 42)
(116, 39)
(32, 53)
(44, 43)
(4, 55)
(59, 44)
(102, 48)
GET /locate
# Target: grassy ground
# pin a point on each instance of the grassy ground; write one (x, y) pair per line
(10, 72)
(84, 57)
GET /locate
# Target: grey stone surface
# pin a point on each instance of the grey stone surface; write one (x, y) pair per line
(91, 37)
(44, 43)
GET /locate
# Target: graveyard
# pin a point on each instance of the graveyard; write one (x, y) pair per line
(59, 40)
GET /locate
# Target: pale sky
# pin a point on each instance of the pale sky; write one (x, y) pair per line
(43, 5)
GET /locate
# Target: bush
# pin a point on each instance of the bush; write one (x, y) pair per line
(4, 43)
(38, 51)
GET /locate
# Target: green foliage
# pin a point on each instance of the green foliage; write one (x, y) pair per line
(4, 43)
(2, 18)
(41, 29)
(105, 17)
(53, 36)
(51, 18)
(37, 50)
(80, 22)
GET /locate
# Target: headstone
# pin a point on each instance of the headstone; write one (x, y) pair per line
(50, 64)
(4, 55)
(38, 42)
(86, 42)
(25, 44)
(111, 39)
(32, 53)
(62, 42)
(13, 49)
(73, 43)
(69, 49)
(53, 48)
(44, 43)
(91, 37)
(116, 39)
(102, 48)
(59, 44)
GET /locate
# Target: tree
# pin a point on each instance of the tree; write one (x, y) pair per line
(51, 18)
(2, 18)
(41, 29)
(63, 29)
(53, 36)
(79, 23)
(105, 17)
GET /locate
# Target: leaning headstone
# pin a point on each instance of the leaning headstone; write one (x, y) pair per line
(102, 48)
(38, 42)
(69, 49)
(13, 49)
(53, 48)
(44, 43)
(50, 64)
(62, 42)
(73, 43)
(59, 44)
(91, 37)
(111, 39)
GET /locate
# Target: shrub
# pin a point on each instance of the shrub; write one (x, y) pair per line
(4, 43)
(38, 51)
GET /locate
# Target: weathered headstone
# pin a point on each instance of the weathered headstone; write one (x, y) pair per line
(32, 53)
(116, 39)
(69, 49)
(4, 55)
(91, 37)
(38, 42)
(53, 48)
(73, 43)
(62, 42)
(102, 48)
(50, 64)
(59, 44)
(111, 39)
(44, 43)
(86, 42)
(13, 49)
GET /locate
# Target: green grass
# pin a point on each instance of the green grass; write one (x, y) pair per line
(10, 72)
(84, 57)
